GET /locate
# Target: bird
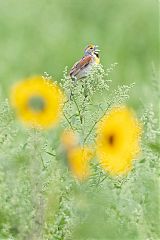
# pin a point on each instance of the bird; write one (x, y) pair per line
(84, 66)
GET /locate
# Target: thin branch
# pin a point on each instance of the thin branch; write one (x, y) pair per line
(72, 116)
(70, 124)
(85, 139)
(50, 153)
(42, 161)
(79, 112)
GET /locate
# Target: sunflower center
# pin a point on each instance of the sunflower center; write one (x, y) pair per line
(111, 139)
(36, 103)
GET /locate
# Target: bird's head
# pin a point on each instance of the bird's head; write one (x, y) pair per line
(92, 49)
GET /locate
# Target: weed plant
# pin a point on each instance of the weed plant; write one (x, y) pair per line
(39, 197)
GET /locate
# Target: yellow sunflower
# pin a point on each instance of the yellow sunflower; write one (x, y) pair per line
(118, 135)
(38, 102)
(78, 159)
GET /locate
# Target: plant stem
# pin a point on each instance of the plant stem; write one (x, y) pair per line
(70, 124)
(53, 155)
(79, 112)
(85, 139)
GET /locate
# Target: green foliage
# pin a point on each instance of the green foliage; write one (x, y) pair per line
(39, 199)
(89, 99)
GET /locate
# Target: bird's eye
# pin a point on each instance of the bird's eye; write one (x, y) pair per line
(91, 47)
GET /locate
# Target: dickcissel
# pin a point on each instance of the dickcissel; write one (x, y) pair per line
(83, 67)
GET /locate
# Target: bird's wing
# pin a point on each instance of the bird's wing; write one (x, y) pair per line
(78, 66)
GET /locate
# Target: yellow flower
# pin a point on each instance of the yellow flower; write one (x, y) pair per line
(118, 135)
(38, 102)
(78, 159)
(69, 139)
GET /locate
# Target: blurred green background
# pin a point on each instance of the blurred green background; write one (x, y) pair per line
(47, 35)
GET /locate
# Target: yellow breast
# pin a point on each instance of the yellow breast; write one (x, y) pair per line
(97, 59)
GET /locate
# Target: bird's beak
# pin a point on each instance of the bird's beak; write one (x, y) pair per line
(97, 48)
